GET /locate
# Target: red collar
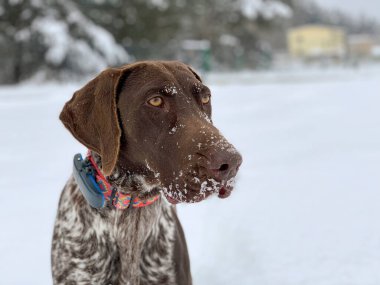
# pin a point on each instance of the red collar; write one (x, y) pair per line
(119, 200)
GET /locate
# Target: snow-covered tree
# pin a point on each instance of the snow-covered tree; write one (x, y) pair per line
(53, 39)
(58, 38)
(268, 9)
(157, 28)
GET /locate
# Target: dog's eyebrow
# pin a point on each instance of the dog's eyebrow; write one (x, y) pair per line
(169, 90)
(198, 88)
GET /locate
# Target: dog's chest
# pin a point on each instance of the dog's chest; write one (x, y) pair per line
(156, 264)
(113, 247)
(148, 245)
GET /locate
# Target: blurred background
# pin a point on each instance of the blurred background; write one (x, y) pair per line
(295, 87)
(66, 39)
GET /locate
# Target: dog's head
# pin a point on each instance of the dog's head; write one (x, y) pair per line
(150, 122)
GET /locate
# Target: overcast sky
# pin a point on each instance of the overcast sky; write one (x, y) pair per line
(355, 7)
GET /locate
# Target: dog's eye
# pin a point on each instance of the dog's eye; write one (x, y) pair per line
(156, 101)
(205, 99)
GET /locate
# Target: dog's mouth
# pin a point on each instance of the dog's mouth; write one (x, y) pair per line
(198, 191)
(223, 193)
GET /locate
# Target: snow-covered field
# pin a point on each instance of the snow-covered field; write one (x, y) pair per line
(306, 207)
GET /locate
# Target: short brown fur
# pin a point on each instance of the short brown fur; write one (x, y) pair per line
(173, 150)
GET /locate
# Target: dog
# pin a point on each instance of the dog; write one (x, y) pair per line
(152, 144)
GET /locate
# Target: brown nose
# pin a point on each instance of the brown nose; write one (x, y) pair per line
(224, 165)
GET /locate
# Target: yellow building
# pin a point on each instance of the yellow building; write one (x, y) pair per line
(316, 41)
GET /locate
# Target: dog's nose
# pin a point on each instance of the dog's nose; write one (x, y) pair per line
(224, 165)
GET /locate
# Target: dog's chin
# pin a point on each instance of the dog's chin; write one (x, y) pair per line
(195, 187)
(193, 196)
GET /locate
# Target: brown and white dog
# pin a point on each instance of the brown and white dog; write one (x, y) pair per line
(148, 127)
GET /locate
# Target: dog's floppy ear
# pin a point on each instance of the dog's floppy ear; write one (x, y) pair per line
(91, 116)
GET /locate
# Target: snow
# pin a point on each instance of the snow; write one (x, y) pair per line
(196, 44)
(170, 89)
(306, 202)
(56, 38)
(161, 4)
(265, 8)
(71, 39)
(228, 40)
(101, 41)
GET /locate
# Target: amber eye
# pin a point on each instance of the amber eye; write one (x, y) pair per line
(205, 99)
(156, 101)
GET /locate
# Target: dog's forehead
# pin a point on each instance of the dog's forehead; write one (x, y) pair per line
(167, 71)
(169, 78)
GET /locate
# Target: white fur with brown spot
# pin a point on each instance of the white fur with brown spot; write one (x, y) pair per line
(110, 246)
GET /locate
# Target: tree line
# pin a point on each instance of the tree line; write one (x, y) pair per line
(66, 38)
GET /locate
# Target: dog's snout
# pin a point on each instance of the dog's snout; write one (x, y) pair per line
(224, 165)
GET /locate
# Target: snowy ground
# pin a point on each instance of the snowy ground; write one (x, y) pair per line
(306, 207)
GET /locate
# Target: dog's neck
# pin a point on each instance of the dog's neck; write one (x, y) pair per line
(132, 228)
(127, 181)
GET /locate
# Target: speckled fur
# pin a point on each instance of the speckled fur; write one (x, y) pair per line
(144, 150)
(110, 246)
